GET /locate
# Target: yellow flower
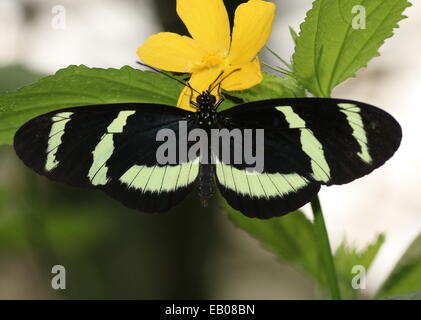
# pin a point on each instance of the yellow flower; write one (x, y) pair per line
(211, 49)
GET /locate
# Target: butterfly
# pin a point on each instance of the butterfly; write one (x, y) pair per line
(307, 143)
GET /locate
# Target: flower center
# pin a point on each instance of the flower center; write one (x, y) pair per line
(211, 60)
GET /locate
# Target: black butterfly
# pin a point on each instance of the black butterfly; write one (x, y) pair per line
(308, 142)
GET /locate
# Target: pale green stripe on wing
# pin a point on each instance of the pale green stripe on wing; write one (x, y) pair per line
(258, 185)
(309, 143)
(105, 148)
(157, 179)
(54, 139)
(353, 116)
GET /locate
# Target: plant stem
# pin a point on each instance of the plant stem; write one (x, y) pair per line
(327, 256)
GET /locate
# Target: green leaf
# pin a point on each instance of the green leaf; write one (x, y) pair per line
(277, 56)
(292, 238)
(80, 85)
(294, 34)
(407, 296)
(406, 276)
(16, 76)
(329, 50)
(272, 87)
(346, 257)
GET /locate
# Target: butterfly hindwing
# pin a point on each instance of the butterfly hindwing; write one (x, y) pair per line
(263, 195)
(112, 148)
(279, 185)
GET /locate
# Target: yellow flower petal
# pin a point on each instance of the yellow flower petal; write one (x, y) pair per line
(199, 81)
(207, 22)
(252, 28)
(170, 52)
(184, 100)
(248, 76)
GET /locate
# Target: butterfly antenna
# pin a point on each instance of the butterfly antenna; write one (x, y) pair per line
(230, 73)
(169, 76)
(217, 78)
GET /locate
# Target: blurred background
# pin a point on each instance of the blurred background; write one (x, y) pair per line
(112, 252)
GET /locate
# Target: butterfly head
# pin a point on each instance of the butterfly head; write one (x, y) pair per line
(206, 100)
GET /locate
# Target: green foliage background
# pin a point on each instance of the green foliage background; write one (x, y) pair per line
(81, 229)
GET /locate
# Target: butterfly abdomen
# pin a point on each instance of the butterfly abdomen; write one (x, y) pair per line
(205, 183)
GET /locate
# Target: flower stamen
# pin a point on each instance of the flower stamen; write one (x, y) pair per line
(210, 60)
